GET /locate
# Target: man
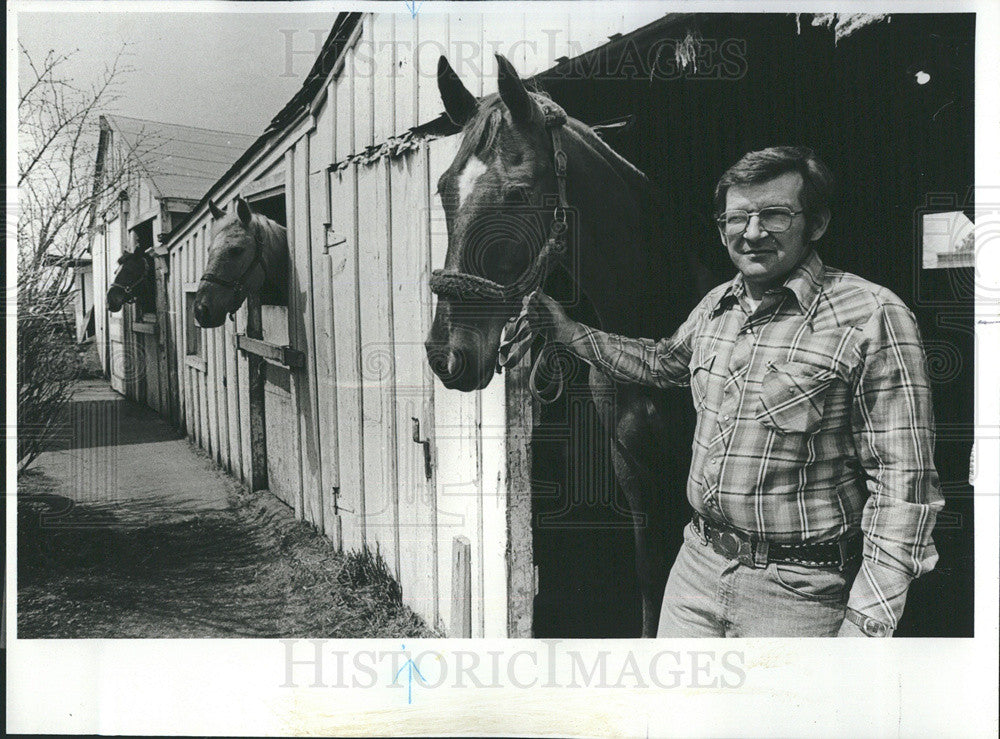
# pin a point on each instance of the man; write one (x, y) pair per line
(812, 478)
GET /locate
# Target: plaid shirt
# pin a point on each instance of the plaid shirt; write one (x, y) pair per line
(814, 418)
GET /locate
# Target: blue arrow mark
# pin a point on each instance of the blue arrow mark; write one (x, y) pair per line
(413, 6)
(409, 666)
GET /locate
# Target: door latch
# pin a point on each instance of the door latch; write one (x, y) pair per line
(423, 442)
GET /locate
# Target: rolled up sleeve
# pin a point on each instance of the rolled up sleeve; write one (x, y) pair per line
(893, 427)
(659, 363)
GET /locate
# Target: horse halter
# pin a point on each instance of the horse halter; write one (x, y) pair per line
(238, 287)
(464, 286)
(129, 290)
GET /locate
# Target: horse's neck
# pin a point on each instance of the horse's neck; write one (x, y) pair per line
(616, 233)
(274, 252)
(146, 299)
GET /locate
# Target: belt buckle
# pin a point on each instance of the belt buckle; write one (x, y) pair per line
(753, 554)
(726, 544)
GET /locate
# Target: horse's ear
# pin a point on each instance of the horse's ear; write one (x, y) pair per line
(243, 211)
(215, 210)
(459, 103)
(513, 92)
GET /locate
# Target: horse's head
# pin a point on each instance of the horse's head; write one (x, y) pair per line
(134, 281)
(235, 267)
(498, 202)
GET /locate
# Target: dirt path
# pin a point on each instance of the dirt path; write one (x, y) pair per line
(126, 530)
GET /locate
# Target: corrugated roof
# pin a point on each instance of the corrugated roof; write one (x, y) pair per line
(181, 161)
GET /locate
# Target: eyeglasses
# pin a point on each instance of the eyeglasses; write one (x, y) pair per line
(774, 219)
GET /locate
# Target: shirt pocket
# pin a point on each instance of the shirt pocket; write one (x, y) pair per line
(701, 372)
(792, 396)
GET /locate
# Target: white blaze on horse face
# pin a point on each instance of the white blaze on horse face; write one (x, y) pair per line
(474, 169)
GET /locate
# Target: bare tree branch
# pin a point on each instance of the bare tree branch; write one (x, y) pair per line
(58, 136)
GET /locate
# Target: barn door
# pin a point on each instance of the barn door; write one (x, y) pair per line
(277, 403)
(280, 420)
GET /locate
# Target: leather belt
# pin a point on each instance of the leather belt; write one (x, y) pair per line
(752, 552)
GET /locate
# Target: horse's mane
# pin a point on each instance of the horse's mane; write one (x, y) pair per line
(272, 231)
(480, 133)
(274, 242)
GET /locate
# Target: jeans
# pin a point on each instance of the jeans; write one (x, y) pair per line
(709, 595)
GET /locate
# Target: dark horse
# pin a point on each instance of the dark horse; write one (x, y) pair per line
(249, 253)
(135, 282)
(519, 155)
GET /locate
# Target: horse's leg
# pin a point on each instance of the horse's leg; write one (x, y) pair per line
(641, 458)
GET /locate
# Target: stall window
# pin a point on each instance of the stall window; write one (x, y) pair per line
(271, 204)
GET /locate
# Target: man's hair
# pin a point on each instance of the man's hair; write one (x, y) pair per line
(766, 164)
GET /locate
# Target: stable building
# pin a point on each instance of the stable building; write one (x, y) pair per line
(471, 499)
(159, 172)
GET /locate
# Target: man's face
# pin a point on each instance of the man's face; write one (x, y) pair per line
(765, 259)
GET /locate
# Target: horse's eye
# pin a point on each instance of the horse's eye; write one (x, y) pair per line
(234, 251)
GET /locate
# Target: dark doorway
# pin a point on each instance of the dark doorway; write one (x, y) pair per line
(890, 109)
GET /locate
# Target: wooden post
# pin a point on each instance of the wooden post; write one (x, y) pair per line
(461, 588)
(520, 556)
(257, 377)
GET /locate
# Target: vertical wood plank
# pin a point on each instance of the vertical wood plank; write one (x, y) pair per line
(377, 360)
(320, 193)
(344, 290)
(221, 394)
(350, 502)
(543, 42)
(432, 29)
(344, 92)
(303, 323)
(493, 510)
(406, 72)
(384, 75)
(200, 379)
(190, 374)
(179, 273)
(322, 154)
(163, 338)
(255, 389)
(168, 337)
(243, 400)
(465, 50)
(364, 122)
(411, 301)
(211, 409)
(232, 402)
(191, 326)
(461, 589)
(520, 570)
(294, 310)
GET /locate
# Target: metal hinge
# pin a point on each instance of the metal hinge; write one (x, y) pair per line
(426, 445)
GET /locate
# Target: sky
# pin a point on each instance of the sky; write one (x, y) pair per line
(227, 71)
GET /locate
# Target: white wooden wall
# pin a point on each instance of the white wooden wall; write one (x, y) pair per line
(363, 240)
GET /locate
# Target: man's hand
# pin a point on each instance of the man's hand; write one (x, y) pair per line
(547, 317)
